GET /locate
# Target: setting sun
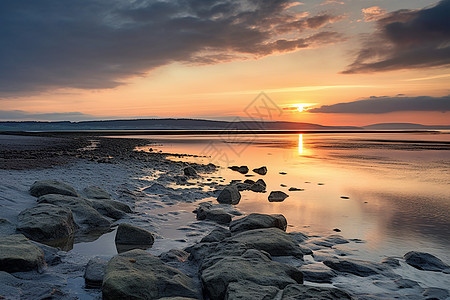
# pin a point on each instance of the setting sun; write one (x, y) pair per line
(302, 107)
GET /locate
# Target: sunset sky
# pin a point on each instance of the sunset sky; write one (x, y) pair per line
(344, 62)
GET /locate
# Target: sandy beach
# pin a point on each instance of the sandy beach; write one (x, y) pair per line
(199, 243)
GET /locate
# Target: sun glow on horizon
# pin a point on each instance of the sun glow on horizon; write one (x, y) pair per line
(302, 107)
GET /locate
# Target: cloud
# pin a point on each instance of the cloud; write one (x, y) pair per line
(332, 2)
(97, 44)
(373, 13)
(407, 39)
(381, 105)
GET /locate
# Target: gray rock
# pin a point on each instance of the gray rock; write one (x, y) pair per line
(137, 274)
(46, 222)
(355, 266)
(52, 255)
(95, 272)
(261, 170)
(257, 221)
(247, 290)
(190, 172)
(211, 214)
(45, 187)
(261, 182)
(131, 237)
(435, 293)
(425, 261)
(229, 195)
(108, 208)
(317, 273)
(218, 276)
(297, 291)
(84, 214)
(95, 192)
(272, 240)
(217, 235)
(277, 196)
(18, 254)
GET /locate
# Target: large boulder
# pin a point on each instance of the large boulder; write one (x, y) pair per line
(256, 269)
(95, 192)
(299, 291)
(18, 254)
(137, 274)
(425, 261)
(85, 216)
(217, 235)
(272, 240)
(45, 187)
(111, 208)
(131, 237)
(46, 222)
(257, 221)
(229, 195)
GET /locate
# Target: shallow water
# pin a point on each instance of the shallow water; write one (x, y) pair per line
(397, 184)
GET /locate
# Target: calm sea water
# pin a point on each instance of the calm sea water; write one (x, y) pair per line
(397, 185)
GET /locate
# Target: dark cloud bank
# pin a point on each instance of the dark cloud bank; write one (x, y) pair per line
(381, 105)
(407, 39)
(95, 44)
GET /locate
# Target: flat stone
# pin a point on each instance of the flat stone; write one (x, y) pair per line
(45, 187)
(425, 261)
(137, 274)
(18, 254)
(272, 240)
(257, 221)
(229, 195)
(436, 293)
(277, 196)
(46, 222)
(355, 266)
(319, 273)
(211, 214)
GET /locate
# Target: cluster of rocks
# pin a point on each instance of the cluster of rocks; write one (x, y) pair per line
(244, 169)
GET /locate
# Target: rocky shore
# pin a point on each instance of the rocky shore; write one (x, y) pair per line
(177, 233)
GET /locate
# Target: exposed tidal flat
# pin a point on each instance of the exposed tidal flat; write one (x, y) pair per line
(330, 218)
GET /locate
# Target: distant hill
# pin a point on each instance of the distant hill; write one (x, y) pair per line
(164, 124)
(404, 126)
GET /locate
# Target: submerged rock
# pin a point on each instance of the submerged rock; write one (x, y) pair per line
(45, 187)
(355, 266)
(261, 170)
(95, 272)
(425, 261)
(272, 240)
(229, 195)
(95, 192)
(18, 254)
(277, 196)
(257, 221)
(190, 172)
(46, 222)
(131, 237)
(137, 274)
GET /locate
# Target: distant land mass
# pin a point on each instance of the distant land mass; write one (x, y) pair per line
(194, 124)
(164, 124)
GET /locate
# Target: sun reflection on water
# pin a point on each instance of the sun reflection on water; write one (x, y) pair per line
(300, 144)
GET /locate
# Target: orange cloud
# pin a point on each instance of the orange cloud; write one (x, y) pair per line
(373, 13)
